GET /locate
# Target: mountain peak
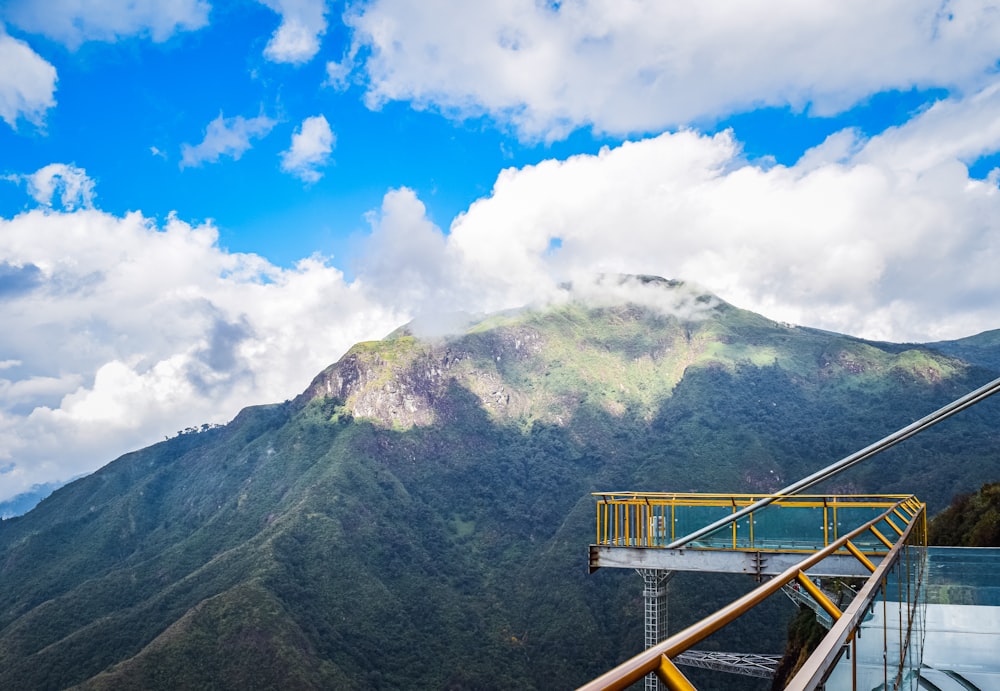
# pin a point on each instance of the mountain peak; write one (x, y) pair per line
(621, 343)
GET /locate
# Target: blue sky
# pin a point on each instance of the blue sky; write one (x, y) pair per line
(205, 202)
(118, 101)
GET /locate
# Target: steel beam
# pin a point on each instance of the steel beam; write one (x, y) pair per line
(722, 561)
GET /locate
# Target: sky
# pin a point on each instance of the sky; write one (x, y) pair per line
(203, 203)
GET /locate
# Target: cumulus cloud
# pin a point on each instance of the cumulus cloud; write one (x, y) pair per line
(119, 331)
(17, 279)
(406, 259)
(887, 238)
(310, 149)
(72, 185)
(296, 40)
(226, 137)
(27, 82)
(73, 22)
(681, 299)
(645, 65)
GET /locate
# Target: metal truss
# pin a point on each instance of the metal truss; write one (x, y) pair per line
(747, 664)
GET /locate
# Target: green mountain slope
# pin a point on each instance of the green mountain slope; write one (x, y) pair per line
(971, 520)
(418, 518)
(982, 349)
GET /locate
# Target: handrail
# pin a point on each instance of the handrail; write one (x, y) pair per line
(843, 464)
(649, 519)
(738, 495)
(657, 658)
(700, 499)
(818, 664)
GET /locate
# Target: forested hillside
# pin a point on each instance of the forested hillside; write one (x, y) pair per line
(971, 520)
(419, 517)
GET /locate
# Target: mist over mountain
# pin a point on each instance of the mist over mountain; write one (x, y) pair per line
(418, 517)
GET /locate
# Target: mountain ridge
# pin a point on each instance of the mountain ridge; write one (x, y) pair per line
(426, 500)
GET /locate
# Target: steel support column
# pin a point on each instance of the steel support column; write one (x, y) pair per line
(654, 595)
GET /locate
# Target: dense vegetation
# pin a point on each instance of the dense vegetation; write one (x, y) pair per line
(419, 517)
(972, 520)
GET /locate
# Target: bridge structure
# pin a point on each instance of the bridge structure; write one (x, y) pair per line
(924, 617)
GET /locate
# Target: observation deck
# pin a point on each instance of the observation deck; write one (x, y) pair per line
(635, 530)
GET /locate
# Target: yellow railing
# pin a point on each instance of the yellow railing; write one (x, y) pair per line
(889, 609)
(801, 523)
(908, 516)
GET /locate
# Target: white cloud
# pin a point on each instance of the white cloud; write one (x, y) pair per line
(129, 331)
(950, 130)
(74, 187)
(310, 149)
(74, 21)
(887, 238)
(406, 260)
(32, 390)
(27, 82)
(645, 65)
(338, 73)
(296, 40)
(225, 137)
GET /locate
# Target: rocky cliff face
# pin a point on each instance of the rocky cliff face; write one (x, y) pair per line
(622, 359)
(405, 382)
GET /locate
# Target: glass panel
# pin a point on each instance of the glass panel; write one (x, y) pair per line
(886, 653)
(870, 648)
(692, 518)
(963, 617)
(843, 668)
(789, 527)
(850, 517)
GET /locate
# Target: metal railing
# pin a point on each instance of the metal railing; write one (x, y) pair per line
(905, 519)
(802, 523)
(889, 610)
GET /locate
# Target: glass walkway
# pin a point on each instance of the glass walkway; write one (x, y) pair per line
(962, 623)
(958, 624)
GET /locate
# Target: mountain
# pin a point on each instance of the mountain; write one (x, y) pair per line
(418, 517)
(982, 349)
(971, 520)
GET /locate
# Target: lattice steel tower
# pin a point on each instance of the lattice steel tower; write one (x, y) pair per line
(654, 594)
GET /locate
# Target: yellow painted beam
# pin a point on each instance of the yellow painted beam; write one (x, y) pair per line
(882, 538)
(673, 677)
(894, 526)
(818, 595)
(859, 556)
